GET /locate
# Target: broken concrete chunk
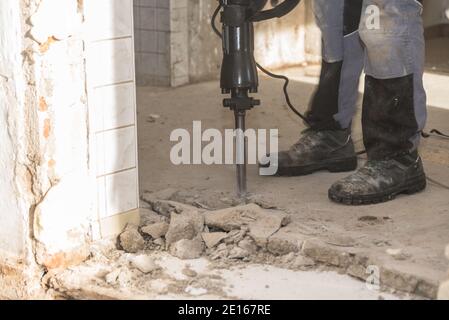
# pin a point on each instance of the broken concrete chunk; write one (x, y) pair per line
(238, 253)
(248, 245)
(321, 252)
(288, 257)
(148, 216)
(156, 230)
(286, 240)
(235, 236)
(399, 280)
(187, 225)
(163, 208)
(130, 239)
(261, 223)
(220, 253)
(213, 238)
(301, 261)
(159, 242)
(187, 249)
(144, 263)
(233, 218)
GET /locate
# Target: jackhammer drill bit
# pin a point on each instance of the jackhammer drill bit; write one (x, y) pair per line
(241, 152)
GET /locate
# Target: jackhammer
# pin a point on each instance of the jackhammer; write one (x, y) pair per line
(239, 76)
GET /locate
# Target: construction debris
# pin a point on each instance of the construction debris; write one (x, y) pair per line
(148, 216)
(211, 239)
(188, 232)
(156, 230)
(130, 239)
(228, 237)
(185, 226)
(187, 249)
(144, 263)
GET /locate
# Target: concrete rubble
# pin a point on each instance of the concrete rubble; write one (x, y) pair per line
(130, 240)
(240, 235)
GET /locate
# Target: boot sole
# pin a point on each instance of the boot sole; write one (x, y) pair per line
(410, 187)
(341, 165)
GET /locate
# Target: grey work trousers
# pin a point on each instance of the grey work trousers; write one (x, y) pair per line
(386, 39)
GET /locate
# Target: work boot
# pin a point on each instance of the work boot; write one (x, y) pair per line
(381, 180)
(331, 150)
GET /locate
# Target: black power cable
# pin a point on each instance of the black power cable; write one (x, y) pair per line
(268, 73)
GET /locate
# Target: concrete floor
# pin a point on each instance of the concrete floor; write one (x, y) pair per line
(417, 225)
(205, 281)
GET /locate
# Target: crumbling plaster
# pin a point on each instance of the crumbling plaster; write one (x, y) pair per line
(44, 179)
(58, 105)
(12, 133)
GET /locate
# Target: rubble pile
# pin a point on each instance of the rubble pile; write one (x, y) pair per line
(247, 233)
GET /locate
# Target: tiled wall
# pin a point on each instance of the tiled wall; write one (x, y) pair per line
(161, 42)
(152, 41)
(112, 107)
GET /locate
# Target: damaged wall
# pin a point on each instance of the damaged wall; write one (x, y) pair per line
(55, 56)
(67, 130)
(14, 179)
(44, 123)
(12, 86)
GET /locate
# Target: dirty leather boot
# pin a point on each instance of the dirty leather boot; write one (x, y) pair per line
(331, 150)
(381, 180)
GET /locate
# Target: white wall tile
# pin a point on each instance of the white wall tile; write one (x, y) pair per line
(109, 34)
(113, 106)
(110, 62)
(121, 192)
(107, 19)
(116, 150)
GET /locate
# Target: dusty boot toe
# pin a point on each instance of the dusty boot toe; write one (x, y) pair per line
(380, 181)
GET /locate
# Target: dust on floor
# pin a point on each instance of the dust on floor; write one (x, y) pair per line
(181, 251)
(406, 238)
(198, 279)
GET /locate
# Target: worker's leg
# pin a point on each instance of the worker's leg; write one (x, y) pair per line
(394, 106)
(327, 145)
(334, 102)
